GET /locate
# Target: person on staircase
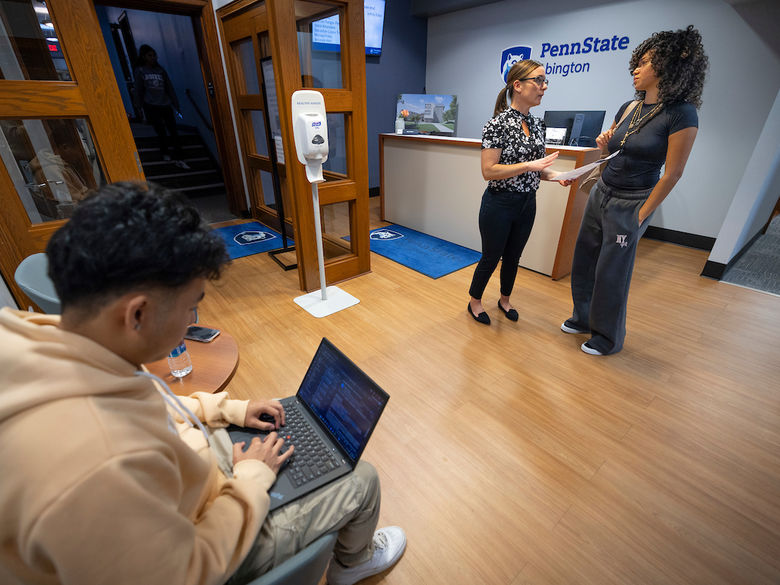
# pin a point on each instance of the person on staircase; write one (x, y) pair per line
(156, 98)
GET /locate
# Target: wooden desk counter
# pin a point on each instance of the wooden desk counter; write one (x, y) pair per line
(213, 365)
(434, 184)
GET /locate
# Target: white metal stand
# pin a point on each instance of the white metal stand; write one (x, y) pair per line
(329, 299)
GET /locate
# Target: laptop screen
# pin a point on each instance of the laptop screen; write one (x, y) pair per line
(346, 401)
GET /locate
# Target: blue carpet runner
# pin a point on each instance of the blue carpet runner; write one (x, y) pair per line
(426, 254)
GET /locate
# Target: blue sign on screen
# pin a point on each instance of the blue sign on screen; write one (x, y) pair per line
(326, 35)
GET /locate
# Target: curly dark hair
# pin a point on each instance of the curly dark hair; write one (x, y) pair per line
(130, 235)
(680, 63)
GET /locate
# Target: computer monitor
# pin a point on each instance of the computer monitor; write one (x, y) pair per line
(582, 126)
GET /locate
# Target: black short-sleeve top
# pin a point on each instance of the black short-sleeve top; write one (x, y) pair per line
(505, 131)
(638, 166)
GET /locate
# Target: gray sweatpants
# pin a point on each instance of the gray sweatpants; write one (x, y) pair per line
(603, 262)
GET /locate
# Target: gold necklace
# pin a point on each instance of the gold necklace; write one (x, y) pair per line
(635, 124)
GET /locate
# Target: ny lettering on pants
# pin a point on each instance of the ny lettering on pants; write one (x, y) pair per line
(603, 262)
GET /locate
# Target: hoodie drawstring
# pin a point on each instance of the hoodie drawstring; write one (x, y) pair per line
(185, 413)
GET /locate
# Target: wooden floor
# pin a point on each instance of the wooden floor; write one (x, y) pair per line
(510, 457)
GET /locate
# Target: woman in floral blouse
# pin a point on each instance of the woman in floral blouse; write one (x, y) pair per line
(513, 163)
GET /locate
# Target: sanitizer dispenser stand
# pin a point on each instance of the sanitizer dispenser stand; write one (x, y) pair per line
(310, 128)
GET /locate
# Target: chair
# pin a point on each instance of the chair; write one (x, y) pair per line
(304, 568)
(32, 277)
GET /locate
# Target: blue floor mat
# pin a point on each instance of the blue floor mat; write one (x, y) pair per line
(426, 254)
(245, 239)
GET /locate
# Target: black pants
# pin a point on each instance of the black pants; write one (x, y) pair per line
(505, 222)
(603, 262)
(162, 118)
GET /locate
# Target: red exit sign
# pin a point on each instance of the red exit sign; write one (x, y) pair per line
(53, 48)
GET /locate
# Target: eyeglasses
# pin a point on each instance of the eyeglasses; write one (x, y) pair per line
(540, 81)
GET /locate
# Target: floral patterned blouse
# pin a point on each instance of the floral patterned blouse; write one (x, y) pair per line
(505, 131)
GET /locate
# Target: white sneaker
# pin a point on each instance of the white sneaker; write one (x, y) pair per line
(389, 545)
(590, 350)
(566, 329)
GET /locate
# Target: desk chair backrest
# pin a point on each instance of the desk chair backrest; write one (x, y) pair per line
(32, 277)
(304, 568)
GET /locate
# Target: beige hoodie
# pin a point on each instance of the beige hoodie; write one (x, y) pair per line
(95, 487)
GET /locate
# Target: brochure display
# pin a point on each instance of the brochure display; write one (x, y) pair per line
(310, 129)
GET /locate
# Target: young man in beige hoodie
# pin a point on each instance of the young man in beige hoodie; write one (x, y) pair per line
(107, 477)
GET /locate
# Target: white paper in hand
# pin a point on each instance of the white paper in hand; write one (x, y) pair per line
(579, 171)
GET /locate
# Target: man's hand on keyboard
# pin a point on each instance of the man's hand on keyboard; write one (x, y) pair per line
(264, 415)
(267, 451)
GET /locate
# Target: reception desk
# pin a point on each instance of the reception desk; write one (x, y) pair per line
(434, 184)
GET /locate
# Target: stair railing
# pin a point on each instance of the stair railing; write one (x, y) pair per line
(198, 111)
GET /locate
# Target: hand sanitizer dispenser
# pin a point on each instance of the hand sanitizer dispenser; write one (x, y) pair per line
(310, 128)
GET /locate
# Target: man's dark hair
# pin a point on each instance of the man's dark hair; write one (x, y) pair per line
(679, 60)
(129, 235)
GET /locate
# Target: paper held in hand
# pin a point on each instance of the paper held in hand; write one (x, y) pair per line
(579, 171)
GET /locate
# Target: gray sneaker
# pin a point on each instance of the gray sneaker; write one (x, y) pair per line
(590, 350)
(389, 545)
(181, 164)
(568, 329)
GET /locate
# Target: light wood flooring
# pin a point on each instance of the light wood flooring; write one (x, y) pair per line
(510, 457)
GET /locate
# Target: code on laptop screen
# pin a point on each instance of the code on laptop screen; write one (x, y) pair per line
(343, 398)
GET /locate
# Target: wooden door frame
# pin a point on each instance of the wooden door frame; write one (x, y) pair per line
(350, 100)
(88, 96)
(85, 97)
(210, 57)
(281, 23)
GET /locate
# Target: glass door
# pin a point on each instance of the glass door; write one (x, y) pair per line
(63, 129)
(283, 31)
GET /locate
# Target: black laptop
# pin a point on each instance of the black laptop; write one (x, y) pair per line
(329, 421)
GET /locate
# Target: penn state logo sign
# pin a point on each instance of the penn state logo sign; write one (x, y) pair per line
(512, 55)
(252, 237)
(384, 234)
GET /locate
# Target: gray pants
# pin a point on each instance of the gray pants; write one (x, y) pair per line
(603, 262)
(349, 505)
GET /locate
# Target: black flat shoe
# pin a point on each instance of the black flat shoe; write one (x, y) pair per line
(483, 317)
(511, 314)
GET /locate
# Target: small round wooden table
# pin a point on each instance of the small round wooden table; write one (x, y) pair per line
(213, 365)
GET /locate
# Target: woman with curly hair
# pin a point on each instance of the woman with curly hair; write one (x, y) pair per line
(657, 129)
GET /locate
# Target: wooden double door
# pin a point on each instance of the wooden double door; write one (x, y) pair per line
(64, 129)
(63, 126)
(272, 49)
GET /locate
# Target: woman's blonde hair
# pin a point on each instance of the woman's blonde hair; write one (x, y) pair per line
(519, 70)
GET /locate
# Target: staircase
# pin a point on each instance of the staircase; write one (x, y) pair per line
(201, 184)
(202, 179)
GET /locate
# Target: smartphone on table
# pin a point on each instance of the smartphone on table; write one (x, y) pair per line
(198, 333)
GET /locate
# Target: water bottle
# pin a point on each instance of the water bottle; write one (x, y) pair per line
(179, 361)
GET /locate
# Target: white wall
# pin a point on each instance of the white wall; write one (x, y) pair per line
(756, 195)
(464, 51)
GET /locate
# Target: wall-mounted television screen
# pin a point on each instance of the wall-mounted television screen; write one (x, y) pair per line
(325, 32)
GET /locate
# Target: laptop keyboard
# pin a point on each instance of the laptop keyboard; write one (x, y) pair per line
(312, 458)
